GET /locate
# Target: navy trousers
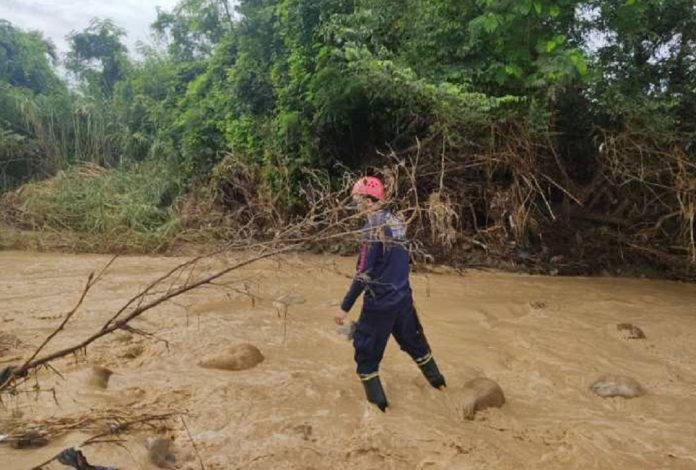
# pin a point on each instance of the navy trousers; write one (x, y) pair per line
(373, 331)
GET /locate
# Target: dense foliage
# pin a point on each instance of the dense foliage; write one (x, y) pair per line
(543, 115)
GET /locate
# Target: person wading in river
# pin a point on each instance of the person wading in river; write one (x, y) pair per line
(382, 274)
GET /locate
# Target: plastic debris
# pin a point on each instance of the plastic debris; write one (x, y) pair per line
(75, 458)
(347, 330)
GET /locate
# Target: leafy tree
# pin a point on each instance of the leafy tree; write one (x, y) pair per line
(26, 70)
(194, 27)
(98, 56)
(26, 59)
(646, 62)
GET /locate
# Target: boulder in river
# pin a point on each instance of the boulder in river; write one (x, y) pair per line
(479, 394)
(8, 343)
(237, 357)
(30, 440)
(630, 331)
(99, 377)
(159, 451)
(617, 386)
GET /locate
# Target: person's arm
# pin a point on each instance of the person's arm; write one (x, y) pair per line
(370, 251)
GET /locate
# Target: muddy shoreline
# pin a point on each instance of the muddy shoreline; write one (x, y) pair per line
(12, 239)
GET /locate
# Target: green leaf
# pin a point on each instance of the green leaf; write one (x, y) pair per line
(513, 71)
(578, 60)
(501, 76)
(554, 11)
(490, 22)
(537, 7)
(628, 3)
(525, 7)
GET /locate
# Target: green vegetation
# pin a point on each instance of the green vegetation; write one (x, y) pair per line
(562, 127)
(120, 209)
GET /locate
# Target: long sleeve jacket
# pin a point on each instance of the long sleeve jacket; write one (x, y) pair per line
(382, 267)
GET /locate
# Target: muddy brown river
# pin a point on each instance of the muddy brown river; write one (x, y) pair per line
(543, 339)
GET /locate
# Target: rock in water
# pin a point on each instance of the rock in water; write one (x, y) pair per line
(30, 440)
(99, 377)
(132, 351)
(8, 343)
(239, 357)
(159, 451)
(617, 386)
(630, 331)
(479, 394)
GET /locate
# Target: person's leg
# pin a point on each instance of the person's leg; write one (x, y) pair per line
(409, 334)
(370, 340)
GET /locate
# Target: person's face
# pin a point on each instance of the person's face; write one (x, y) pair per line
(363, 203)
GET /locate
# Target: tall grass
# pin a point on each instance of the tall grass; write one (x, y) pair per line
(43, 134)
(72, 129)
(111, 210)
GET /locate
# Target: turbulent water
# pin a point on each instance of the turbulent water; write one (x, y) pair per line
(544, 340)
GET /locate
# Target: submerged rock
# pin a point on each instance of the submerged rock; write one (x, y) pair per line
(159, 451)
(132, 351)
(617, 386)
(99, 377)
(8, 343)
(630, 331)
(238, 357)
(479, 394)
(30, 440)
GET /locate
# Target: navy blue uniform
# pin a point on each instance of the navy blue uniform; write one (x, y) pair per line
(382, 274)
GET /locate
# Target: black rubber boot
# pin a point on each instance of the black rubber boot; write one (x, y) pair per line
(432, 373)
(375, 392)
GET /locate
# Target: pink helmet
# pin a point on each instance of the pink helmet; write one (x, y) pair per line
(369, 186)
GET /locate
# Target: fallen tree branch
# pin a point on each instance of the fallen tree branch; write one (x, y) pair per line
(69, 315)
(91, 281)
(120, 324)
